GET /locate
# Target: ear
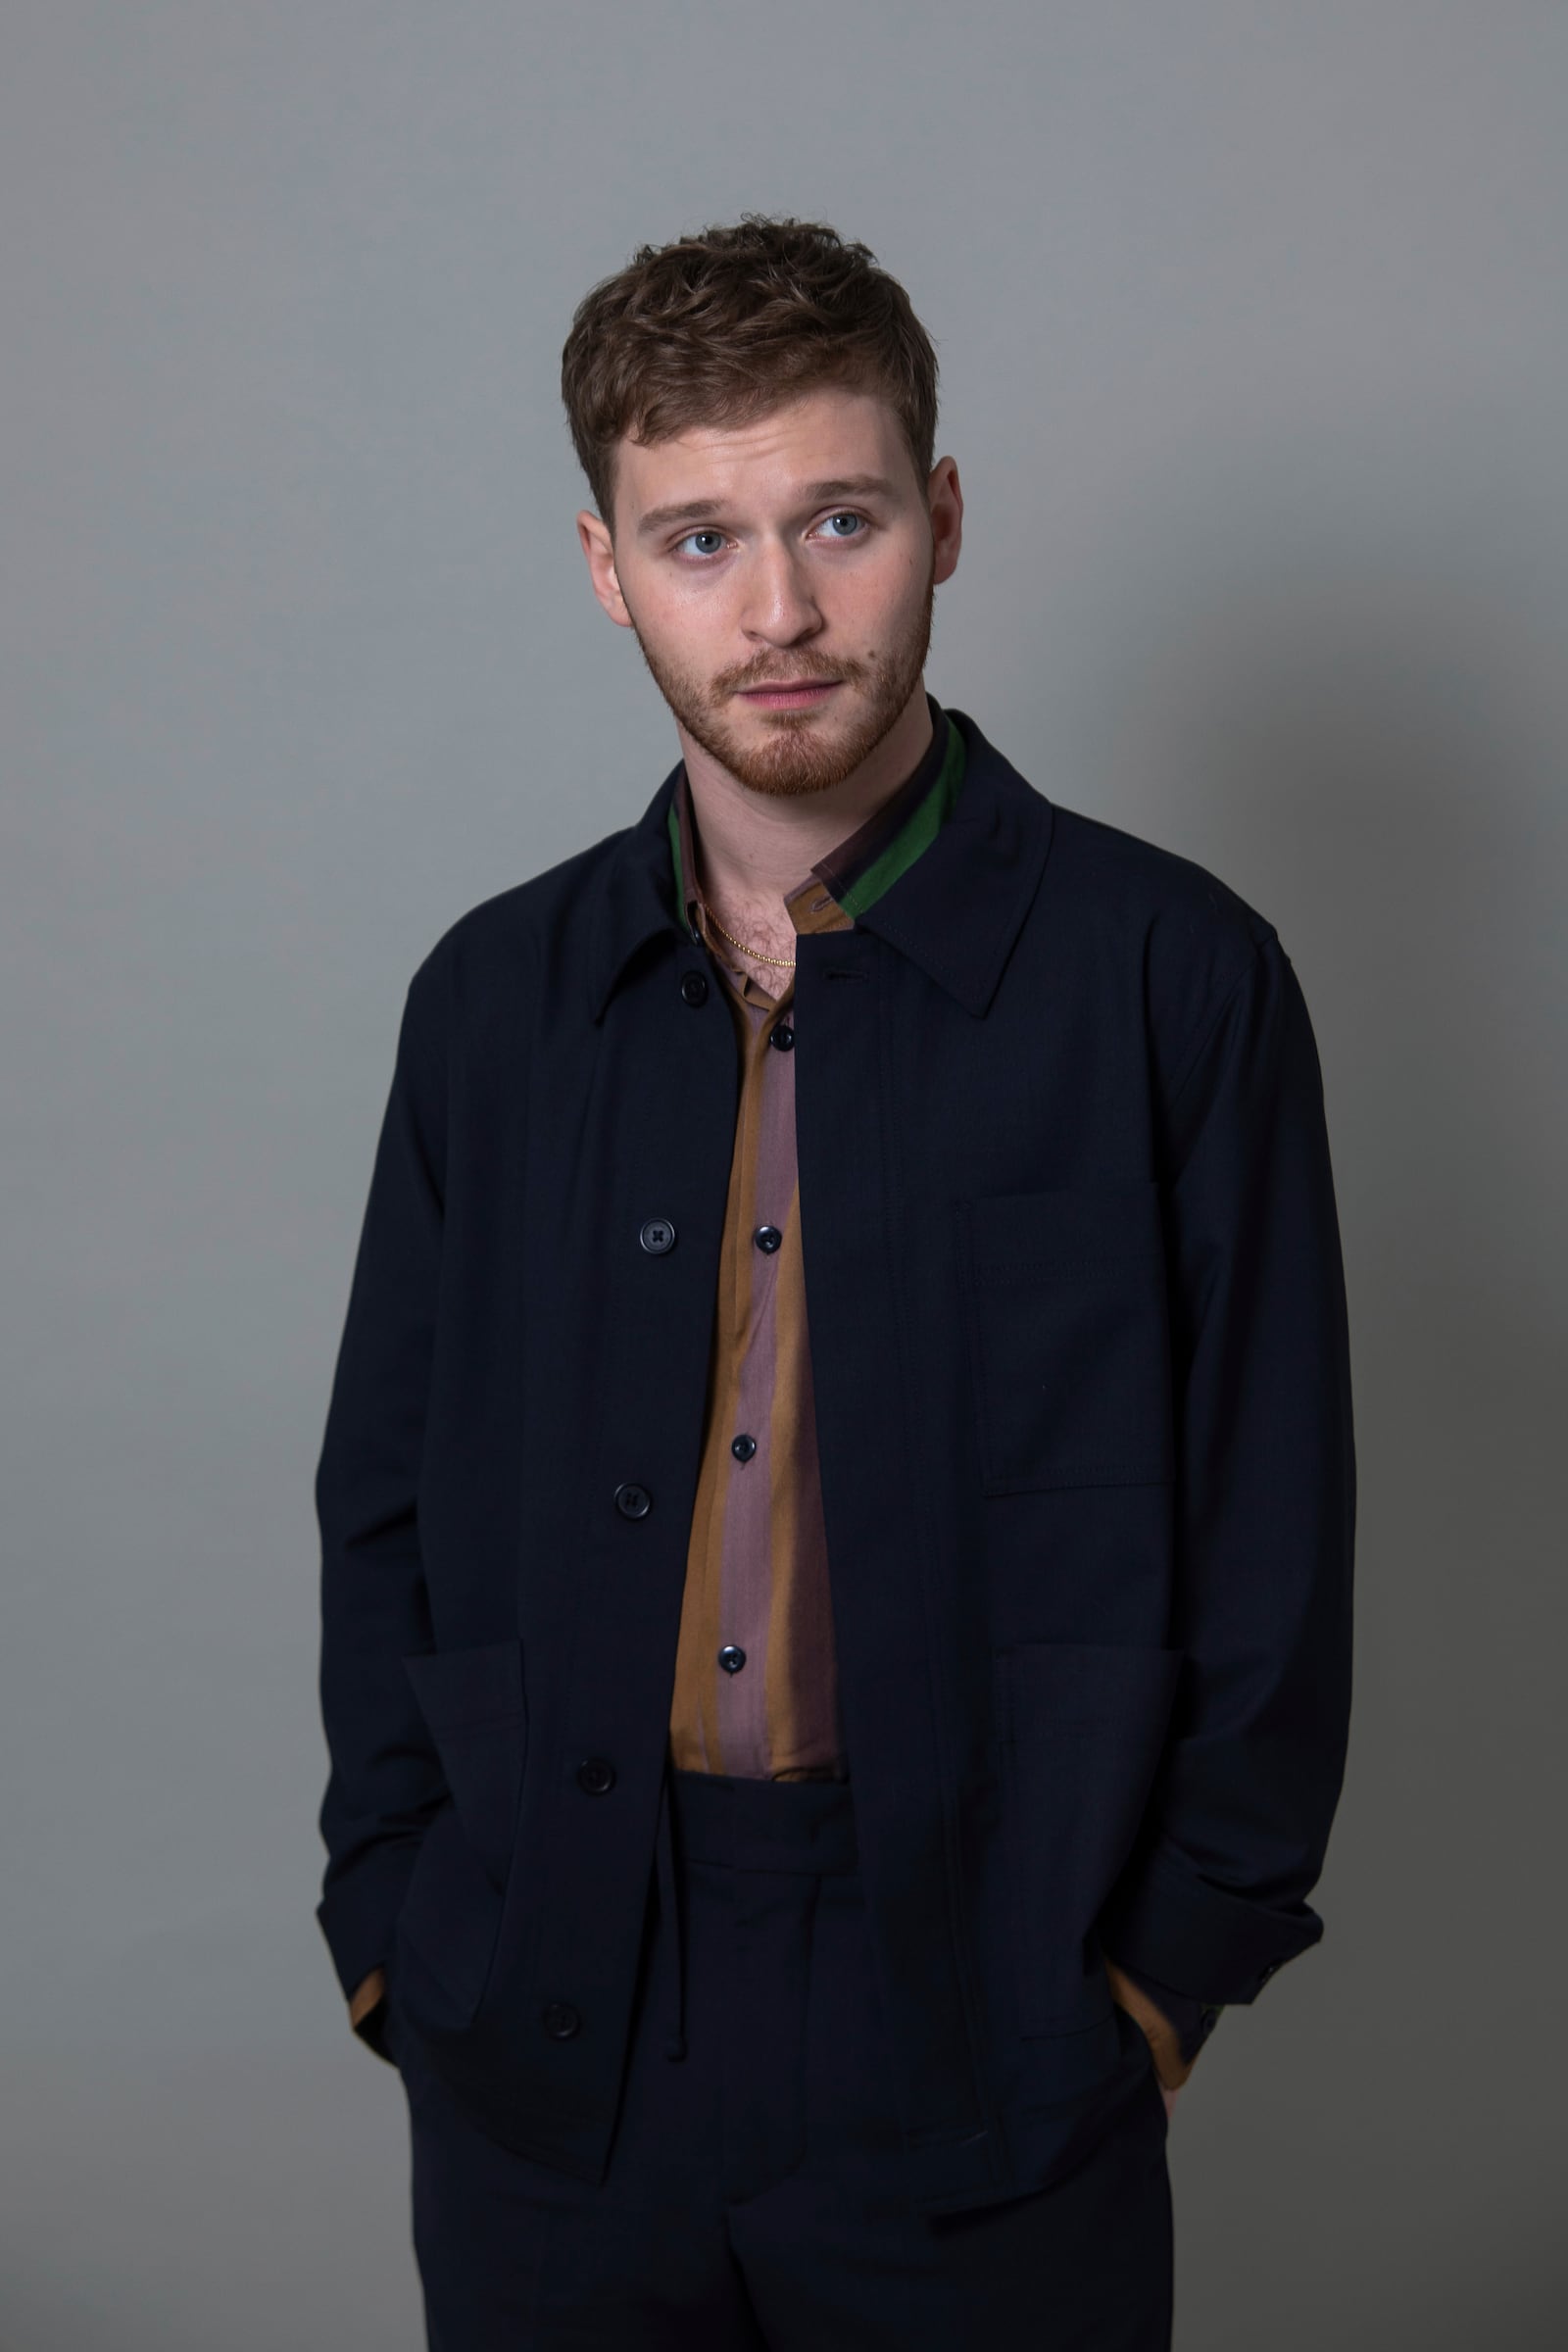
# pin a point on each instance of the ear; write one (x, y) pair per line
(600, 554)
(945, 501)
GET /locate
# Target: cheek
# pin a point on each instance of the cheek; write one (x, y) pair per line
(691, 614)
(882, 623)
(903, 584)
(675, 621)
(875, 599)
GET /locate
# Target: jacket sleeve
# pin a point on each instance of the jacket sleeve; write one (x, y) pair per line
(384, 1780)
(1213, 1899)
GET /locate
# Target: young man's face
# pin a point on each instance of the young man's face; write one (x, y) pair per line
(786, 574)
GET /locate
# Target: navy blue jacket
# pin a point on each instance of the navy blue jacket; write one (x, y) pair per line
(1081, 1363)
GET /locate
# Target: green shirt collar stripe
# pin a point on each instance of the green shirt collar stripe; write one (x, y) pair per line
(917, 832)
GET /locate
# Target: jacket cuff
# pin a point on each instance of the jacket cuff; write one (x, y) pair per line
(356, 1911)
(1164, 1917)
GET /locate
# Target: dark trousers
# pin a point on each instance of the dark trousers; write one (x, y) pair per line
(752, 2197)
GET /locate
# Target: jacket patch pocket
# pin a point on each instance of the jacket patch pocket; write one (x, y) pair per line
(1081, 1728)
(473, 1704)
(1069, 1337)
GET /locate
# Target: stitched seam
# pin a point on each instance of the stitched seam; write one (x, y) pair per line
(1210, 1028)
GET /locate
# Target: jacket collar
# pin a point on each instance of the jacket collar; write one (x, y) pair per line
(956, 911)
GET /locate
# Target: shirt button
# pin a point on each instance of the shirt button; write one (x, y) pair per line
(743, 1448)
(782, 1034)
(769, 1237)
(731, 1658)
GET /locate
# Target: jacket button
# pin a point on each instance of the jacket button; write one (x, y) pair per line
(631, 1501)
(769, 1237)
(731, 1658)
(596, 1774)
(561, 2021)
(1267, 1972)
(694, 987)
(782, 1034)
(658, 1235)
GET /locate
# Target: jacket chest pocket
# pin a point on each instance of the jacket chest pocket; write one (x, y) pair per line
(1067, 1327)
(1081, 1730)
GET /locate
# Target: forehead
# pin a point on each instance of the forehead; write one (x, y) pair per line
(824, 433)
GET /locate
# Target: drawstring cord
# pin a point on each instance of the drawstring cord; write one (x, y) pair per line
(669, 1920)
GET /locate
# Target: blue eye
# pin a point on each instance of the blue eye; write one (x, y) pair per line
(702, 554)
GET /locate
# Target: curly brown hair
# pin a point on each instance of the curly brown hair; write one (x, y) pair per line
(723, 327)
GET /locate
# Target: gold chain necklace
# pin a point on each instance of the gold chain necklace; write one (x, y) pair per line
(741, 943)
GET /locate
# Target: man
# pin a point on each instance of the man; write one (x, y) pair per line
(838, 1494)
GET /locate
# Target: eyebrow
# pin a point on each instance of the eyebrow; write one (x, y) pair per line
(815, 494)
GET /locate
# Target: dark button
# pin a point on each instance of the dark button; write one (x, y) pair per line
(1268, 1972)
(694, 987)
(782, 1034)
(658, 1235)
(743, 1448)
(561, 2021)
(596, 1774)
(731, 1658)
(769, 1237)
(632, 1502)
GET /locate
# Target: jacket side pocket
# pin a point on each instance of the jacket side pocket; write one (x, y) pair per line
(1081, 1727)
(473, 1699)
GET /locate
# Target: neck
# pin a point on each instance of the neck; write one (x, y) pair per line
(753, 848)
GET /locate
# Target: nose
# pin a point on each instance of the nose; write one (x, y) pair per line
(780, 606)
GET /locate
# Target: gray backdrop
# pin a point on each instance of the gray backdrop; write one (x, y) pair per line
(1253, 330)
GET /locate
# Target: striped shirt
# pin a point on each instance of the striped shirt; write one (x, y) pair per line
(756, 1681)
